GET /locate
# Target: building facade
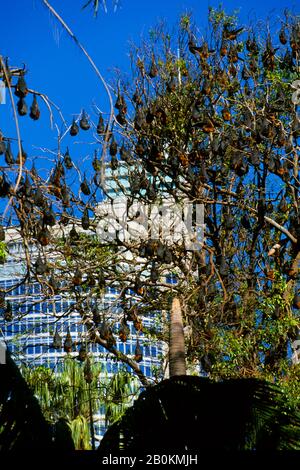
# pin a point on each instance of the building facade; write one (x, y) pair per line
(28, 322)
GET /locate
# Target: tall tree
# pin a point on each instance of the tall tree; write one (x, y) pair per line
(210, 121)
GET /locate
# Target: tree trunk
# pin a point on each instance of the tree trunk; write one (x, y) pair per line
(177, 350)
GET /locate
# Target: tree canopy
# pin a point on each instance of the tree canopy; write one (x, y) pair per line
(205, 119)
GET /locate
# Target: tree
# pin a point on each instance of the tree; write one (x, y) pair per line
(214, 125)
(217, 126)
(233, 415)
(76, 392)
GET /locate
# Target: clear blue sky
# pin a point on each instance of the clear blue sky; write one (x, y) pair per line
(56, 67)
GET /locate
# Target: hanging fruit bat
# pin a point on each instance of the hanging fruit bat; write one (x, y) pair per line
(101, 280)
(296, 301)
(82, 355)
(287, 62)
(38, 198)
(84, 123)
(197, 113)
(5, 188)
(2, 300)
(91, 281)
(295, 38)
(202, 51)
(254, 159)
(49, 216)
(171, 84)
(77, 278)
(106, 334)
(136, 98)
(73, 234)
(124, 331)
(64, 218)
(57, 340)
(245, 222)
(125, 155)
(9, 158)
(121, 119)
(40, 266)
(34, 109)
(247, 90)
(233, 54)
(245, 73)
(114, 163)
(283, 206)
(151, 192)
(26, 187)
(21, 156)
(231, 34)
(153, 72)
(8, 314)
(139, 119)
(74, 129)
(137, 324)
(223, 268)
(269, 207)
(22, 107)
(154, 275)
(138, 354)
(132, 314)
(282, 36)
(208, 126)
(226, 114)
(120, 103)
(2, 233)
(150, 115)
(251, 46)
(85, 187)
(138, 286)
(68, 343)
(113, 148)
(100, 125)
(96, 315)
(2, 146)
(229, 222)
(87, 371)
(43, 236)
(67, 160)
(206, 88)
(223, 49)
(53, 282)
(85, 220)
(65, 197)
(21, 87)
(96, 163)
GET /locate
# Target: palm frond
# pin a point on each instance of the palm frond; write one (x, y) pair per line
(196, 413)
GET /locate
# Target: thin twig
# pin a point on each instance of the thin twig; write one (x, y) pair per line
(3, 66)
(78, 43)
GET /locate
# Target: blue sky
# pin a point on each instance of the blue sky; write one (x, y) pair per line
(57, 68)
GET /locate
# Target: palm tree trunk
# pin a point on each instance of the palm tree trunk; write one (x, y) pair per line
(176, 350)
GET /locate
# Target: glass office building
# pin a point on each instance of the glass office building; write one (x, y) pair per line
(28, 328)
(28, 334)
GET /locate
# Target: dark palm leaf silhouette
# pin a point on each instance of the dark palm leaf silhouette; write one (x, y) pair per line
(22, 424)
(185, 413)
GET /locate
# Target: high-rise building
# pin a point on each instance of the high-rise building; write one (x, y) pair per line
(28, 321)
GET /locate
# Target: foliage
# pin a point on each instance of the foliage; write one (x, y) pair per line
(215, 126)
(22, 425)
(65, 395)
(232, 415)
(3, 252)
